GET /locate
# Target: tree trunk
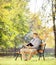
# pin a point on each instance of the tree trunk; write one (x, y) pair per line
(54, 27)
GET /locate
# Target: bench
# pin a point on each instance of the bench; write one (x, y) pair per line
(40, 52)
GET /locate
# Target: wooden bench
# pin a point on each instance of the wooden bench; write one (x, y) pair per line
(40, 52)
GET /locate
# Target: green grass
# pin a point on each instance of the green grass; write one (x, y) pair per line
(33, 61)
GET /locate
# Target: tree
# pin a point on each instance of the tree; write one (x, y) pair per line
(14, 14)
(54, 24)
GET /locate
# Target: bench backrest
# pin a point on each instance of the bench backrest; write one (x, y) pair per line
(42, 47)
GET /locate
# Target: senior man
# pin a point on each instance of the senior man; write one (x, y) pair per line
(31, 48)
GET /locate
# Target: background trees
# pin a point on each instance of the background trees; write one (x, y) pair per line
(17, 22)
(13, 22)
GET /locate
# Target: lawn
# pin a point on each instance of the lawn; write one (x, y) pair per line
(33, 61)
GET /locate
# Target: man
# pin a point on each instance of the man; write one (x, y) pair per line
(32, 47)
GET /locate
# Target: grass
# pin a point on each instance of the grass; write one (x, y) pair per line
(33, 61)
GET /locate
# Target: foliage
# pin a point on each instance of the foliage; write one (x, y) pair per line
(16, 22)
(13, 21)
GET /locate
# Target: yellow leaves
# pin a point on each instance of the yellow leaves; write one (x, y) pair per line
(42, 37)
(13, 35)
(50, 29)
(50, 42)
(10, 44)
(5, 4)
(4, 37)
(36, 20)
(4, 9)
(6, 12)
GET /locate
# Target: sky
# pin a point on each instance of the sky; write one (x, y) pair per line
(35, 5)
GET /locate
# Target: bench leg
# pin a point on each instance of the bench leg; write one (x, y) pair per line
(16, 56)
(39, 56)
(21, 57)
(43, 57)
